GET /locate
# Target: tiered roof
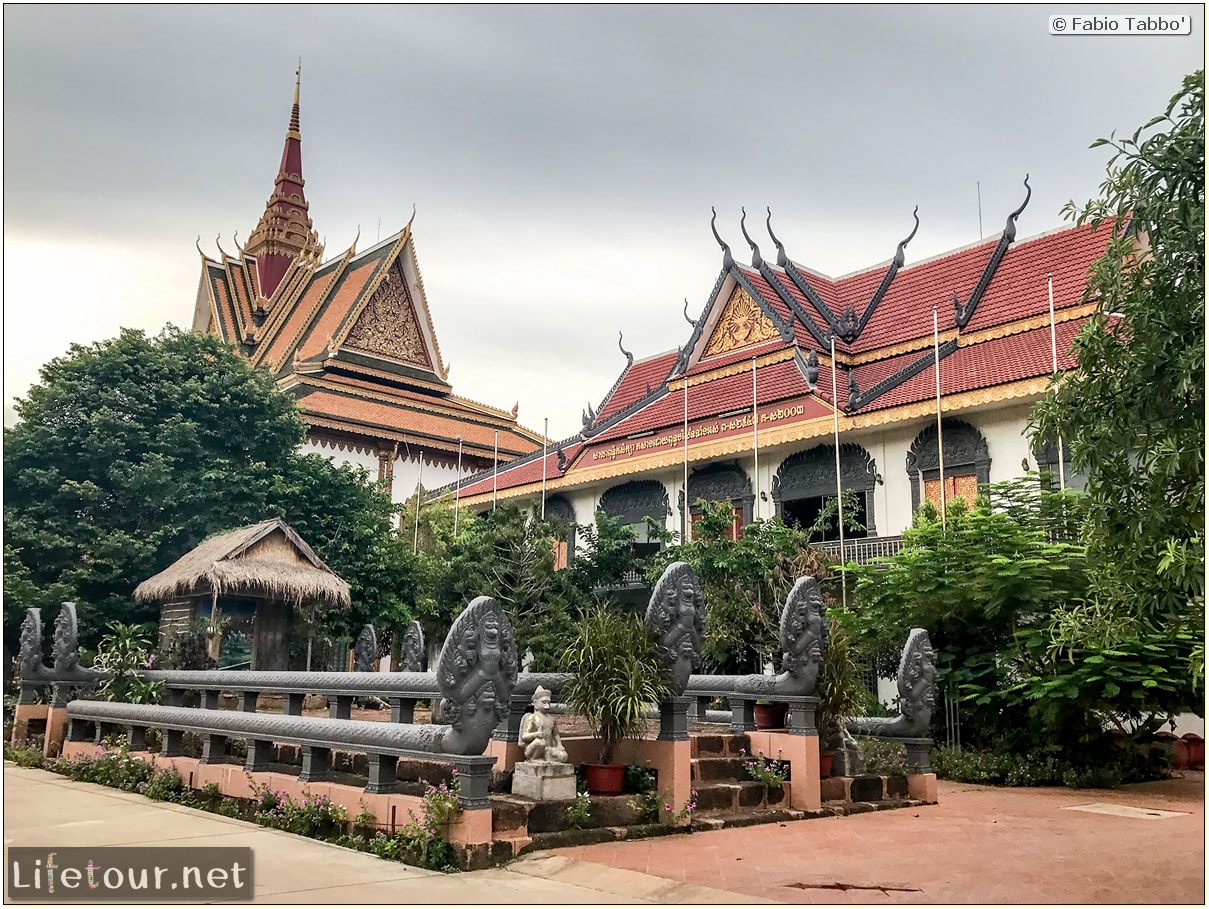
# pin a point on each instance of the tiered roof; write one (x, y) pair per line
(351, 337)
(781, 320)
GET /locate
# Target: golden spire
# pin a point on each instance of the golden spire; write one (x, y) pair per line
(295, 131)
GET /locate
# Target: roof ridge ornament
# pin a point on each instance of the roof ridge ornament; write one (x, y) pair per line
(628, 356)
(686, 315)
(197, 243)
(728, 260)
(781, 257)
(900, 257)
(756, 260)
(1009, 229)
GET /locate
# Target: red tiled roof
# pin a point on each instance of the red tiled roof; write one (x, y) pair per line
(521, 474)
(238, 278)
(773, 383)
(400, 417)
(999, 361)
(285, 336)
(226, 314)
(1019, 289)
(351, 285)
(632, 386)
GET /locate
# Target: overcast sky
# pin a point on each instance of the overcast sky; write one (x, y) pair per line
(562, 159)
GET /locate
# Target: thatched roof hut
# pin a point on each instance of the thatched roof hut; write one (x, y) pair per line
(265, 560)
(248, 585)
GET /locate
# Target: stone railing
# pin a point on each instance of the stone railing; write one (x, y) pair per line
(382, 743)
(863, 550)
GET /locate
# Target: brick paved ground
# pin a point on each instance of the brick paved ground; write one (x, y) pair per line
(981, 844)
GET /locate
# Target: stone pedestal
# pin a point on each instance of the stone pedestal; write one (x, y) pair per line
(543, 780)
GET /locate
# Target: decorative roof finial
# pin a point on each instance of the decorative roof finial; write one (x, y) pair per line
(629, 357)
(294, 131)
(727, 260)
(900, 256)
(756, 260)
(203, 255)
(1009, 229)
(782, 259)
(686, 316)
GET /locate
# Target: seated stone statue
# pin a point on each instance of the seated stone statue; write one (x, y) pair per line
(539, 736)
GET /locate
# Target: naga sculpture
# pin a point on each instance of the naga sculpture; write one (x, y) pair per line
(31, 645)
(412, 657)
(916, 694)
(66, 652)
(676, 620)
(803, 638)
(365, 650)
(476, 674)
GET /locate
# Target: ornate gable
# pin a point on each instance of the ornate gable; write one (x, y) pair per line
(389, 325)
(741, 325)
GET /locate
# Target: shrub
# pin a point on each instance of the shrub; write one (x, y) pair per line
(23, 755)
(883, 758)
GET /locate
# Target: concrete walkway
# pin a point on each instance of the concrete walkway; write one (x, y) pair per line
(45, 809)
(1141, 844)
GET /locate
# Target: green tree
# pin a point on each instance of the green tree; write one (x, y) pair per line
(746, 581)
(975, 582)
(1132, 412)
(131, 451)
(508, 554)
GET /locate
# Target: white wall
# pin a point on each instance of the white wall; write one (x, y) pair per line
(406, 470)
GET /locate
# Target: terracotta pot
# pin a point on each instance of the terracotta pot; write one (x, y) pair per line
(1196, 751)
(825, 758)
(604, 779)
(770, 716)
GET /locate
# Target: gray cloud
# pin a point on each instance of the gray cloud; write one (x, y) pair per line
(563, 159)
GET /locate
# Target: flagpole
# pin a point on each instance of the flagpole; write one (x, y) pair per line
(688, 514)
(940, 441)
(755, 441)
(839, 489)
(545, 448)
(495, 472)
(415, 540)
(457, 490)
(1053, 343)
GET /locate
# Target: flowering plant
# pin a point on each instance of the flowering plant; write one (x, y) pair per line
(769, 772)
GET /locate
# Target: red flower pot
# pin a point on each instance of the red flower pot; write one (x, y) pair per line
(605, 779)
(825, 758)
(770, 716)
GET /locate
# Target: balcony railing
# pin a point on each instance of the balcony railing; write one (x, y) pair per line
(863, 550)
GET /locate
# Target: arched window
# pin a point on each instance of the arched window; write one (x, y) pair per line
(632, 503)
(1046, 456)
(967, 463)
(721, 483)
(559, 511)
(805, 483)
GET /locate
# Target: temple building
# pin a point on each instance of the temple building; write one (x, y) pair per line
(762, 399)
(352, 338)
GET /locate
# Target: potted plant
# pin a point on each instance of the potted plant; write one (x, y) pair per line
(617, 678)
(840, 690)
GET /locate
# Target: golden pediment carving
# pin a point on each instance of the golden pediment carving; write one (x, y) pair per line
(742, 324)
(388, 325)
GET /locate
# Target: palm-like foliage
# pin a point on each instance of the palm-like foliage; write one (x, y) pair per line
(618, 675)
